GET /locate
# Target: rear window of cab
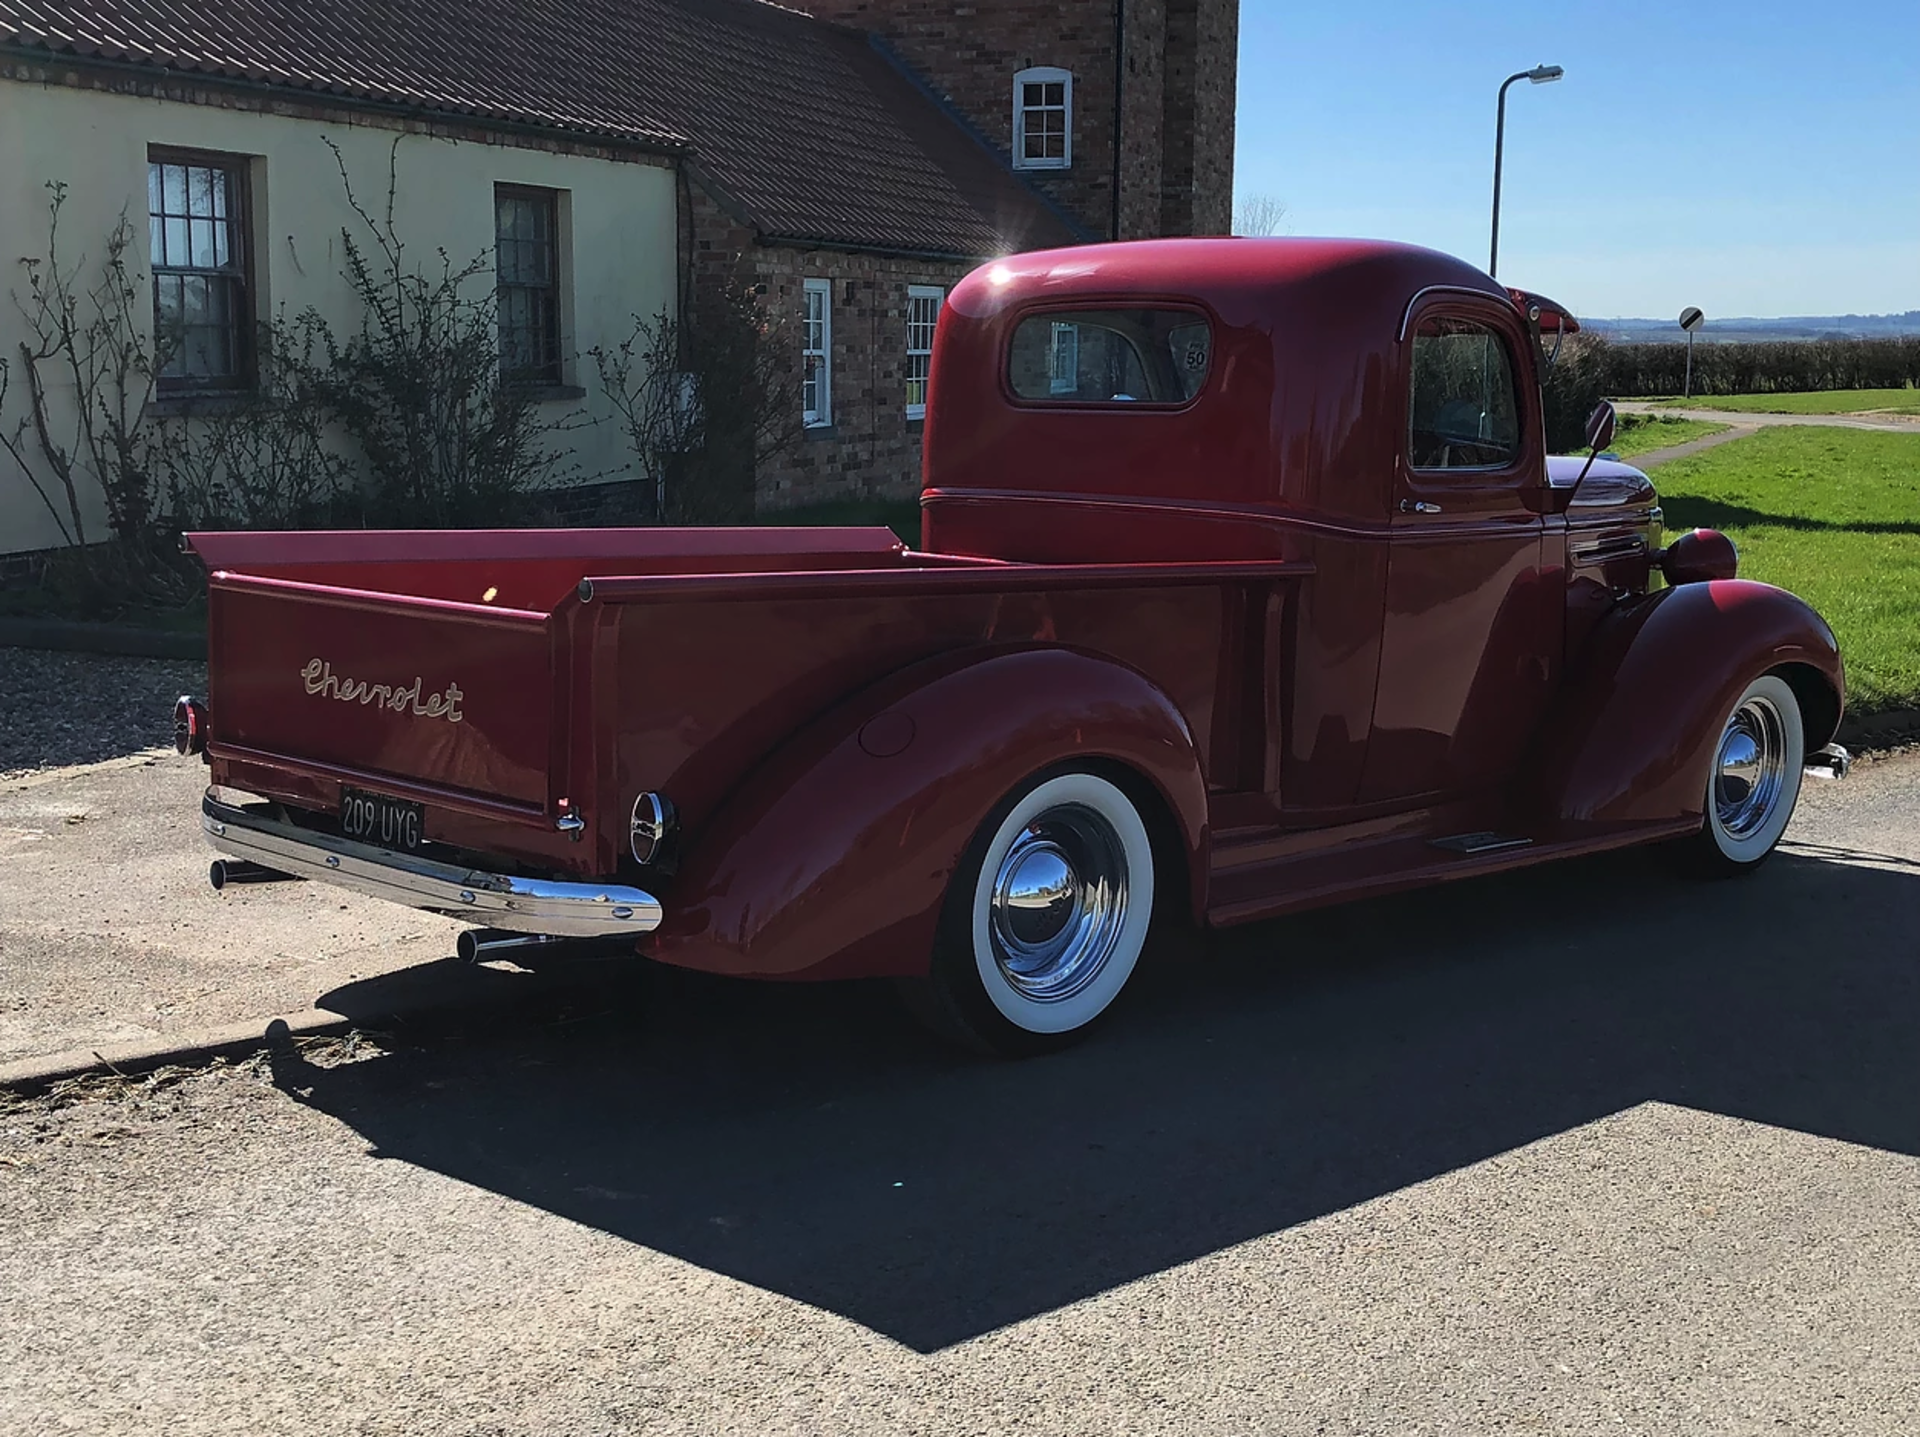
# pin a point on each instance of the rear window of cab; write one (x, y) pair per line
(1110, 356)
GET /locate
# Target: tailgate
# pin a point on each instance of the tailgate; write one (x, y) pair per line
(455, 698)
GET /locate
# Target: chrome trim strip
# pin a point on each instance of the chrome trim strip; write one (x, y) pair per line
(1407, 317)
(500, 900)
(1606, 551)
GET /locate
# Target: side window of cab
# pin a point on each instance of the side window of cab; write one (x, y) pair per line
(1464, 411)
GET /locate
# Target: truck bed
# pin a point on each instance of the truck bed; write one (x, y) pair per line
(510, 680)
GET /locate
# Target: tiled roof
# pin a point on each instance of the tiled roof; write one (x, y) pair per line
(808, 128)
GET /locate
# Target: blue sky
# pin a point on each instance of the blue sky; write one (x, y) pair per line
(1753, 158)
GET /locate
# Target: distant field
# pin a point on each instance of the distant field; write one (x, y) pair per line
(1829, 401)
(1833, 515)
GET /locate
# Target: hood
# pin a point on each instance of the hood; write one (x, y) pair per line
(1609, 483)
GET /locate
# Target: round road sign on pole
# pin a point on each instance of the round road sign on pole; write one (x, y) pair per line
(1690, 319)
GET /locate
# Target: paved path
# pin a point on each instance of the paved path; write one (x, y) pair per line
(1891, 423)
(1582, 1150)
(1693, 446)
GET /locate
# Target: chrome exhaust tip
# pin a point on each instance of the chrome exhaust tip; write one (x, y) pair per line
(223, 871)
(1833, 761)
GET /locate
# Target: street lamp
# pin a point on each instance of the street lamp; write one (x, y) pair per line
(1538, 75)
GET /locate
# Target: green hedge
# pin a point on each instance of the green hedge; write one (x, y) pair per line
(1637, 371)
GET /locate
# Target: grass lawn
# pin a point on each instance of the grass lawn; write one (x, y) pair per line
(1833, 515)
(900, 515)
(1828, 401)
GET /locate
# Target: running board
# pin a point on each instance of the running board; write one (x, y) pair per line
(1334, 875)
(1472, 843)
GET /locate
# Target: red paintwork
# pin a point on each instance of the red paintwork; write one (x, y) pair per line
(1634, 735)
(831, 859)
(1702, 554)
(1222, 600)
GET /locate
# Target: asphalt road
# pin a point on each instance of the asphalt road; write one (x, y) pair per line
(1585, 1150)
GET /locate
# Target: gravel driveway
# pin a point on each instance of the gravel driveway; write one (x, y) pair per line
(64, 709)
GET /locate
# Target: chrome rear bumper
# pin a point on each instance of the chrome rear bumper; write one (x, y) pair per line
(500, 900)
(1832, 761)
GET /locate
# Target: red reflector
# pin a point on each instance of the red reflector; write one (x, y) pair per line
(189, 725)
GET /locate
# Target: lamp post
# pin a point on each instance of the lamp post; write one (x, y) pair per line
(1538, 75)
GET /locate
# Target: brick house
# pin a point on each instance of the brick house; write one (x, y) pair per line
(613, 156)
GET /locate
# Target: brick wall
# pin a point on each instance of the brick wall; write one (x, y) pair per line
(1178, 94)
(871, 450)
(1216, 79)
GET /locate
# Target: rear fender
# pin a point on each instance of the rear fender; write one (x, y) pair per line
(831, 860)
(1634, 737)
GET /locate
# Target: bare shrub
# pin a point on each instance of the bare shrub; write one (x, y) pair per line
(703, 404)
(418, 387)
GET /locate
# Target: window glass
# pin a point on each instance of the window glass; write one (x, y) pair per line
(527, 269)
(200, 308)
(1463, 411)
(1110, 356)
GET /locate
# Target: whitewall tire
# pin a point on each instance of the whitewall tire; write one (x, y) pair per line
(1046, 916)
(1754, 781)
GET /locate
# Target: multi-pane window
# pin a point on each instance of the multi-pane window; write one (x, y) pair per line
(197, 249)
(526, 249)
(923, 313)
(1043, 119)
(1463, 412)
(816, 351)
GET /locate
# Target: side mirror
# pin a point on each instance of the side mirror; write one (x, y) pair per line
(1600, 426)
(1599, 435)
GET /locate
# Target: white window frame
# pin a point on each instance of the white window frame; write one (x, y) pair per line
(1064, 359)
(1041, 75)
(821, 414)
(921, 360)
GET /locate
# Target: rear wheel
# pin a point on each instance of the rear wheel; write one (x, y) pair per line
(1045, 918)
(1755, 780)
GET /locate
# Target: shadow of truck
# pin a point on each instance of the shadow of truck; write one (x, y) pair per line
(806, 1141)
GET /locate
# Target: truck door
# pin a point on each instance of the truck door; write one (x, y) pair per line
(1472, 629)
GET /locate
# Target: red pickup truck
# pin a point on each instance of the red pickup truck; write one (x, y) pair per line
(1246, 584)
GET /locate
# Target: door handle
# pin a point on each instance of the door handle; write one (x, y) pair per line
(1418, 506)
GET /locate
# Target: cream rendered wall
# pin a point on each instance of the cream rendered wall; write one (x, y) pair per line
(621, 260)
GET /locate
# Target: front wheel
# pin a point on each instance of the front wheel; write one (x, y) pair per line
(1045, 918)
(1755, 779)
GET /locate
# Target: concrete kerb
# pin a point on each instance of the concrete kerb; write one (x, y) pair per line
(29, 1076)
(436, 993)
(1891, 728)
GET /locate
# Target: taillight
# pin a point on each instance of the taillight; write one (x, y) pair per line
(189, 725)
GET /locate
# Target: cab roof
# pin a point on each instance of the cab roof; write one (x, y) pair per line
(1235, 276)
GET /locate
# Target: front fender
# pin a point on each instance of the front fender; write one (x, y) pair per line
(831, 860)
(1634, 737)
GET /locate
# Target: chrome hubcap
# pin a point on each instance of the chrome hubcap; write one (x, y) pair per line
(1058, 904)
(1751, 768)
